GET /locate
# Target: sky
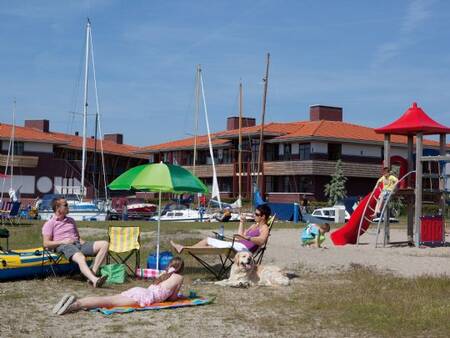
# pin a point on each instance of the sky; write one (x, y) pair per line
(373, 58)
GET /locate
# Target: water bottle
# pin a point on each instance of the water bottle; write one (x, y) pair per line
(221, 231)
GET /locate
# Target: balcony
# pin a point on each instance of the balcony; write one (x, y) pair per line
(222, 170)
(322, 168)
(20, 161)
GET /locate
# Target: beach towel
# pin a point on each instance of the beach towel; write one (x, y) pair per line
(181, 302)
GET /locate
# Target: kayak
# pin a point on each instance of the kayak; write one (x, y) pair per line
(32, 263)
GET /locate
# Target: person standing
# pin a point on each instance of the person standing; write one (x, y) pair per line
(388, 183)
(60, 233)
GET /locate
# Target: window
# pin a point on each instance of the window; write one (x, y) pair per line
(18, 148)
(287, 152)
(304, 151)
(334, 151)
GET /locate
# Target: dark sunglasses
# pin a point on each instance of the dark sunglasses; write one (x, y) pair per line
(64, 205)
(257, 214)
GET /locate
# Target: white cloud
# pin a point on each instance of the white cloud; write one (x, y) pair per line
(418, 12)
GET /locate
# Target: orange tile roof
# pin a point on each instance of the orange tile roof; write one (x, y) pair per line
(290, 131)
(26, 134)
(187, 143)
(341, 130)
(109, 147)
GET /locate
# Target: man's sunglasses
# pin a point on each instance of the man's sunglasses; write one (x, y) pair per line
(257, 214)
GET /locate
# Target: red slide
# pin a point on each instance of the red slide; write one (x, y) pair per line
(348, 233)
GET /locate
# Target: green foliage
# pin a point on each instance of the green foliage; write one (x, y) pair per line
(335, 190)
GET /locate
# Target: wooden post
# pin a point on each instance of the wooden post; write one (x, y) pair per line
(418, 191)
(442, 152)
(240, 144)
(409, 200)
(387, 163)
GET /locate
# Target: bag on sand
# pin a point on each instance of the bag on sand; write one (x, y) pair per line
(115, 273)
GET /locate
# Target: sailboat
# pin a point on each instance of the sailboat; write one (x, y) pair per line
(81, 210)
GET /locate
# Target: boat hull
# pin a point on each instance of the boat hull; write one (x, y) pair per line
(77, 215)
(31, 263)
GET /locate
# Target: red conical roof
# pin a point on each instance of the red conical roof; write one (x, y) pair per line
(414, 121)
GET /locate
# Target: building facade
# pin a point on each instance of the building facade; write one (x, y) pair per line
(50, 162)
(298, 157)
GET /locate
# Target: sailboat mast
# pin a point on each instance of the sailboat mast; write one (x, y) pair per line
(240, 142)
(85, 107)
(13, 137)
(196, 114)
(263, 114)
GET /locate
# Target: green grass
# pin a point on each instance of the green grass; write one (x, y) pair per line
(28, 233)
(381, 304)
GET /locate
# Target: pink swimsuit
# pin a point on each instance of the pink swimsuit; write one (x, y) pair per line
(147, 296)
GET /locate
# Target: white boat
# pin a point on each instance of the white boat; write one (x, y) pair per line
(79, 211)
(183, 215)
(329, 214)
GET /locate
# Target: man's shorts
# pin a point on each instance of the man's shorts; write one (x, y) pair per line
(69, 250)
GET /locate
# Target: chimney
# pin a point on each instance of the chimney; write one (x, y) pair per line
(41, 125)
(233, 122)
(116, 138)
(319, 112)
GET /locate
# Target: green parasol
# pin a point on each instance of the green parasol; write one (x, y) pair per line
(158, 177)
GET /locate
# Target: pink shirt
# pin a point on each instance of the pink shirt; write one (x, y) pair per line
(61, 229)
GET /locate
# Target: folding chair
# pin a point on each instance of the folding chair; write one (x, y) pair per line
(11, 213)
(225, 255)
(51, 261)
(124, 240)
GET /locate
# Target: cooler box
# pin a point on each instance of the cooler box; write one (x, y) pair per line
(164, 259)
(432, 231)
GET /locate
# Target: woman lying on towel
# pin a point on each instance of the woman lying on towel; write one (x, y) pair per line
(166, 287)
(249, 240)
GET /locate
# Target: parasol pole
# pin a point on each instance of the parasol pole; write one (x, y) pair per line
(159, 224)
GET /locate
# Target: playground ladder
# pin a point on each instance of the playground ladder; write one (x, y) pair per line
(384, 211)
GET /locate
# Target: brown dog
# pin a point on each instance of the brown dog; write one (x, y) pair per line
(244, 273)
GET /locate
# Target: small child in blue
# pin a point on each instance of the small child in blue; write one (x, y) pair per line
(314, 234)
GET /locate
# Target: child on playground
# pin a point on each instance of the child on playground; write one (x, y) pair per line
(166, 287)
(388, 183)
(314, 234)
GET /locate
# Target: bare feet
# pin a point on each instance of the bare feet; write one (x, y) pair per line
(177, 247)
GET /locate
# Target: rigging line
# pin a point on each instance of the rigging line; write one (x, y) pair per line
(76, 89)
(263, 115)
(13, 133)
(8, 156)
(215, 183)
(98, 119)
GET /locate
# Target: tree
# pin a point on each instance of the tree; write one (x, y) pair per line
(335, 190)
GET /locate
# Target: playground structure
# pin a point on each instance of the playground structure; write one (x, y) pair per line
(413, 123)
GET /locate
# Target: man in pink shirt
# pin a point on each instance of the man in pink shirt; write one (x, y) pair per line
(61, 234)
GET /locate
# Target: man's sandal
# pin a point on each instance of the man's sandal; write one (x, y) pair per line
(99, 282)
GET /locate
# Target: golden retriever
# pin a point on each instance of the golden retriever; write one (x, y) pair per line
(244, 273)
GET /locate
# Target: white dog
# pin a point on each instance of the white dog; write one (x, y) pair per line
(244, 272)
